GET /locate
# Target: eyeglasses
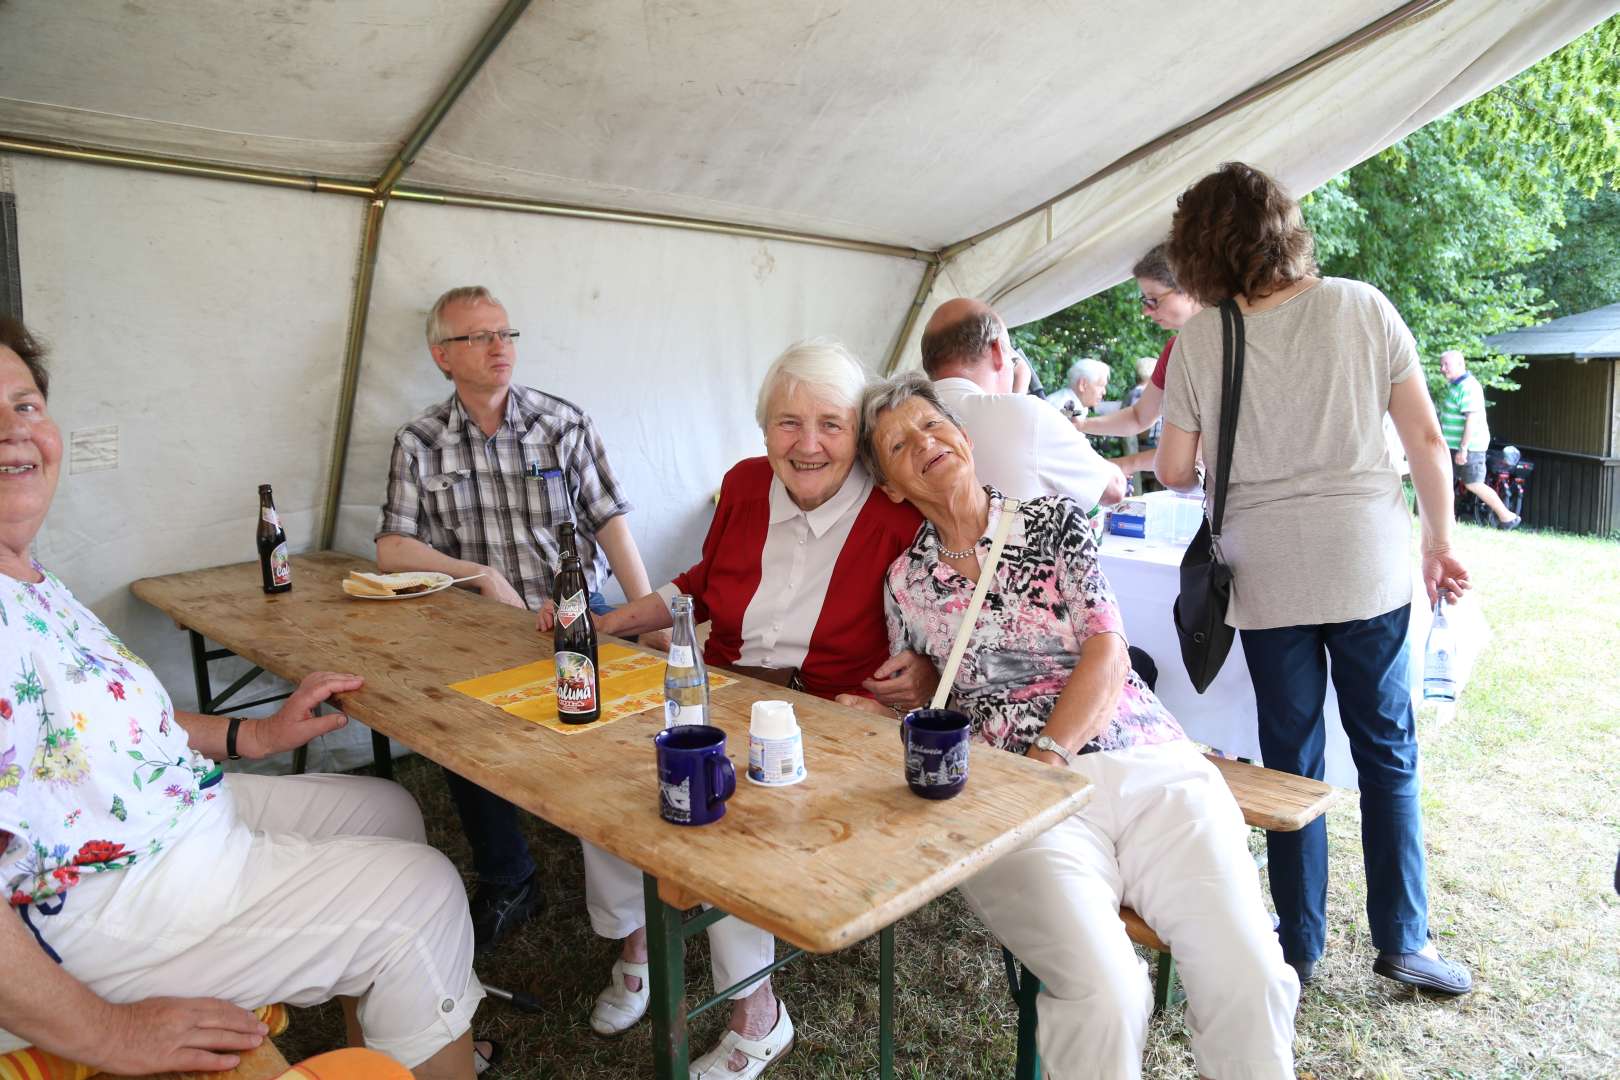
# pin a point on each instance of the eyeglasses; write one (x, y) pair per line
(1151, 302)
(483, 338)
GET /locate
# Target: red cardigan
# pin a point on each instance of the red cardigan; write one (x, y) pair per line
(850, 639)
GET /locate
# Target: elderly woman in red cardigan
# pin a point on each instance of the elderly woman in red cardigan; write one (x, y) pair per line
(791, 580)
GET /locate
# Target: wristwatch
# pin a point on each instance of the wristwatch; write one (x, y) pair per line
(1051, 745)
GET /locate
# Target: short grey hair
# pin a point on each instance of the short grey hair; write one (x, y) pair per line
(965, 340)
(823, 365)
(437, 331)
(886, 394)
(1091, 368)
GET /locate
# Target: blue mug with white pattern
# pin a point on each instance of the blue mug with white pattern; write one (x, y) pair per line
(936, 745)
(695, 778)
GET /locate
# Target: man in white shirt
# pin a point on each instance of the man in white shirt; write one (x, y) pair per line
(1023, 447)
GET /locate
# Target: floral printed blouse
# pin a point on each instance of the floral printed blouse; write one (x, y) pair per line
(1048, 597)
(94, 771)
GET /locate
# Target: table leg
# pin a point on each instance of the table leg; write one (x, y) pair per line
(886, 1003)
(199, 672)
(382, 756)
(666, 950)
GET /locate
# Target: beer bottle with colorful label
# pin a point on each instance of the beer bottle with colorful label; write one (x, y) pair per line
(273, 564)
(579, 684)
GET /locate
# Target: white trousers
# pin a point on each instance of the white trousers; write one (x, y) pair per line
(307, 888)
(1162, 835)
(613, 896)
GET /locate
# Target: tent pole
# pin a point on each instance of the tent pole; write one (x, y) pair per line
(458, 82)
(1395, 20)
(306, 182)
(359, 307)
(671, 221)
(924, 288)
(179, 166)
(370, 237)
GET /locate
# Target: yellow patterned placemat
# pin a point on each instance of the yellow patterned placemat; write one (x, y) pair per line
(632, 682)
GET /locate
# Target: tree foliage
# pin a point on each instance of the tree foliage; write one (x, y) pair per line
(1493, 216)
(1584, 273)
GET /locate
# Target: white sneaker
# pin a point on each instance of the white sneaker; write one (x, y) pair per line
(762, 1053)
(618, 1007)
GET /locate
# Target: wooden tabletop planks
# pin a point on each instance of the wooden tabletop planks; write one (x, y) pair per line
(822, 864)
(1275, 800)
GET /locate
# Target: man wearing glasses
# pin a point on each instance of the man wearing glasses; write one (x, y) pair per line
(478, 484)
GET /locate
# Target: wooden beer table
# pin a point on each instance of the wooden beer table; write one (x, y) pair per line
(822, 865)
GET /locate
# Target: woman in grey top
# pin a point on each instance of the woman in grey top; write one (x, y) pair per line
(1318, 536)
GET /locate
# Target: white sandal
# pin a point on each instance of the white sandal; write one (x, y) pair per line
(762, 1052)
(618, 1007)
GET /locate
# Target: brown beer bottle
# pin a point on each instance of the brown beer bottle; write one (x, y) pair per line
(579, 684)
(273, 565)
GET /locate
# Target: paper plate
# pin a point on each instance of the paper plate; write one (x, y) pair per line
(438, 583)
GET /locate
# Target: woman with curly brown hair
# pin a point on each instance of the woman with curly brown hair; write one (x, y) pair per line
(1318, 537)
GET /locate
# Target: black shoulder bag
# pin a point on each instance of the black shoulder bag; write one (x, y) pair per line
(1206, 580)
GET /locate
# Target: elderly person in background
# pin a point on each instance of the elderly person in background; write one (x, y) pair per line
(1083, 388)
(1045, 674)
(791, 580)
(1318, 536)
(156, 899)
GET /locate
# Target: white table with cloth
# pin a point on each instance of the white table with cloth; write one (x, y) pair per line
(1145, 575)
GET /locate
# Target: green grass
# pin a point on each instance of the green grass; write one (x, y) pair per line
(1522, 805)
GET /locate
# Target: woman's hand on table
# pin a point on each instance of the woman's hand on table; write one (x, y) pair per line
(172, 1034)
(865, 704)
(296, 722)
(904, 681)
(1046, 756)
(657, 640)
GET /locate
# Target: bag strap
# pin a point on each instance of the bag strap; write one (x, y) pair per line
(987, 570)
(1232, 351)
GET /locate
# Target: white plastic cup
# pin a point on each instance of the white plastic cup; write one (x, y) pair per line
(775, 745)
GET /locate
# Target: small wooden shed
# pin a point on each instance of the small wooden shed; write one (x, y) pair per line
(1565, 416)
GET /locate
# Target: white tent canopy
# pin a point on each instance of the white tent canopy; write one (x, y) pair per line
(704, 181)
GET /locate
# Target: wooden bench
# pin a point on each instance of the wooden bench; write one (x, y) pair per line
(1270, 800)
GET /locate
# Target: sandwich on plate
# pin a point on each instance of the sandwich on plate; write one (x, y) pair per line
(376, 586)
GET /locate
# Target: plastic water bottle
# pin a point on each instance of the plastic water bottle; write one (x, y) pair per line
(1439, 657)
(686, 679)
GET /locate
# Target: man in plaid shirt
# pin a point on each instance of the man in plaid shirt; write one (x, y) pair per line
(478, 485)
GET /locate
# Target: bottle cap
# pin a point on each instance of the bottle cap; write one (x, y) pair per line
(772, 720)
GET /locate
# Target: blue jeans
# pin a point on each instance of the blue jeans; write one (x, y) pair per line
(1288, 666)
(499, 850)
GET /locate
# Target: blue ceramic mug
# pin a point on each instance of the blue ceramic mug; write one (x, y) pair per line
(695, 778)
(936, 744)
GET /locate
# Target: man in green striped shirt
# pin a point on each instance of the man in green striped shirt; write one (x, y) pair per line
(1462, 420)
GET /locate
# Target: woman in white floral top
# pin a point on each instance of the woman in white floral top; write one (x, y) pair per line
(1046, 674)
(158, 900)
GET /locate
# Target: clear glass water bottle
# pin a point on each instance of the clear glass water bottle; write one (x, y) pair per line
(686, 679)
(1440, 657)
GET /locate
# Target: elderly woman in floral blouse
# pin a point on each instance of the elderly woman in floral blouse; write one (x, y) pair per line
(137, 871)
(1046, 674)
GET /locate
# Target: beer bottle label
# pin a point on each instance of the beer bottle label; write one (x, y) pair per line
(571, 608)
(268, 513)
(576, 683)
(280, 570)
(680, 656)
